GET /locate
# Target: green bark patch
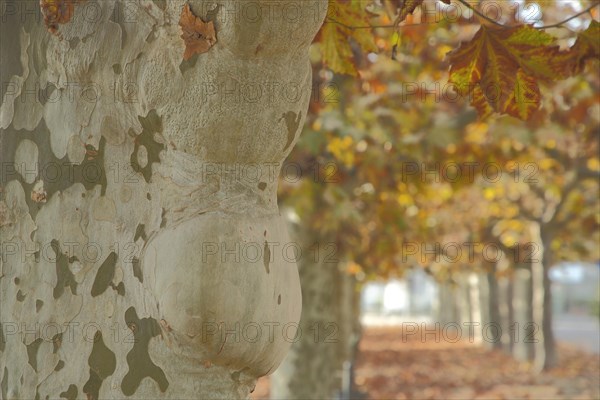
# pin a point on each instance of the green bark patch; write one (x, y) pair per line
(70, 393)
(137, 269)
(64, 276)
(140, 232)
(292, 121)
(138, 359)
(151, 124)
(267, 257)
(38, 305)
(102, 362)
(57, 174)
(59, 365)
(32, 350)
(105, 275)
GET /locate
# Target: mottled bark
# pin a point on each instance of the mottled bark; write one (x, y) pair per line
(141, 238)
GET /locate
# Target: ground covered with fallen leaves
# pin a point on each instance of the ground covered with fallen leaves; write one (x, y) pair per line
(393, 366)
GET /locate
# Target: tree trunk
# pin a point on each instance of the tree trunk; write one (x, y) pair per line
(330, 330)
(447, 309)
(545, 348)
(522, 329)
(505, 300)
(495, 325)
(143, 254)
(476, 310)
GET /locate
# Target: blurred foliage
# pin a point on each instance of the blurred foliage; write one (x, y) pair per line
(396, 156)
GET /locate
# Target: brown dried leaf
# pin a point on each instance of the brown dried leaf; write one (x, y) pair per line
(586, 47)
(199, 36)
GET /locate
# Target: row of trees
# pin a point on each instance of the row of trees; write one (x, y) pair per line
(400, 172)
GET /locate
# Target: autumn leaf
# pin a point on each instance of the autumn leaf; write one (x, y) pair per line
(586, 47)
(336, 49)
(502, 67)
(57, 12)
(198, 36)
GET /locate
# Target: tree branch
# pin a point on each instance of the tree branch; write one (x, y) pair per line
(475, 11)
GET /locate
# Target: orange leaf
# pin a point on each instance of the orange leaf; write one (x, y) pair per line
(502, 67)
(199, 36)
(57, 12)
(587, 46)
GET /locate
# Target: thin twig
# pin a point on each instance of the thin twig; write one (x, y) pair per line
(558, 24)
(331, 20)
(480, 14)
(475, 11)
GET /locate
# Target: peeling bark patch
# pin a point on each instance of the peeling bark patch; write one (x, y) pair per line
(292, 121)
(38, 305)
(262, 185)
(267, 257)
(32, 349)
(151, 124)
(198, 36)
(59, 365)
(105, 275)
(137, 269)
(57, 12)
(70, 393)
(279, 299)
(138, 359)
(102, 362)
(20, 296)
(64, 276)
(89, 173)
(120, 289)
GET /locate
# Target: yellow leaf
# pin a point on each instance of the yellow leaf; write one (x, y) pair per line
(593, 164)
(405, 199)
(336, 49)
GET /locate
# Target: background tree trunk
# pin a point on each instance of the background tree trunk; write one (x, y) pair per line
(330, 328)
(545, 347)
(493, 335)
(522, 329)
